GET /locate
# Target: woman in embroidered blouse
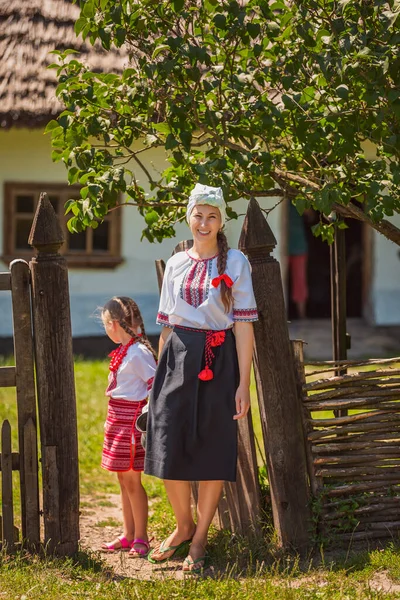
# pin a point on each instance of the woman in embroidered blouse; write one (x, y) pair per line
(201, 386)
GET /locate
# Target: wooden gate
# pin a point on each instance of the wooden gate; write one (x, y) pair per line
(354, 453)
(20, 376)
(41, 290)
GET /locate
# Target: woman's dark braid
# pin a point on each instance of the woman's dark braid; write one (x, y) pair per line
(222, 259)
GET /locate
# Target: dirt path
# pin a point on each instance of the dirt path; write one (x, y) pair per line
(96, 514)
(94, 532)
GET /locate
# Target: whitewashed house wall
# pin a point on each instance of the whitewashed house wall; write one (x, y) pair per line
(25, 156)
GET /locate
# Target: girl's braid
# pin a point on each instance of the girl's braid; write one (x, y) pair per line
(127, 313)
(222, 259)
(134, 317)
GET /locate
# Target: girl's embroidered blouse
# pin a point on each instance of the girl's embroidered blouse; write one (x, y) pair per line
(135, 374)
(188, 298)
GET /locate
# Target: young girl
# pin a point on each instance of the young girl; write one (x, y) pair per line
(201, 386)
(132, 369)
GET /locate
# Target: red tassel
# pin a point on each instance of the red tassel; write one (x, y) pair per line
(217, 339)
(206, 374)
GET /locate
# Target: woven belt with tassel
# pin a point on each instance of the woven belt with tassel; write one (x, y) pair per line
(213, 339)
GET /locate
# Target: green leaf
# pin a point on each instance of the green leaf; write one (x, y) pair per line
(220, 21)
(151, 217)
(254, 29)
(51, 126)
(178, 5)
(342, 91)
(159, 49)
(79, 25)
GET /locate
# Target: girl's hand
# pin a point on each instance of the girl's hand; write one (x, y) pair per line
(242, 400)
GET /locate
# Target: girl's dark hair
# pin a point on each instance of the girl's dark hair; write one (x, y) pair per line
(126, 312)
(226, 292)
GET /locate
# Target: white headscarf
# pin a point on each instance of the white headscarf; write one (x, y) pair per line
(205, 194)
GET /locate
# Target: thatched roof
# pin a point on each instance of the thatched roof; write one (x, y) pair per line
(29, 30)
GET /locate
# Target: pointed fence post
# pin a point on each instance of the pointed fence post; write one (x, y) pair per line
(276, 387)
(55, 382)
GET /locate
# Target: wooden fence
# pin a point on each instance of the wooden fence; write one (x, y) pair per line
(41, 290)
(21, 376)
(353, 459)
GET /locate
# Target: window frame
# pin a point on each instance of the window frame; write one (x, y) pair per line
(110, 258)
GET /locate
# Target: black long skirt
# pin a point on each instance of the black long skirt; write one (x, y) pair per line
(191, 434)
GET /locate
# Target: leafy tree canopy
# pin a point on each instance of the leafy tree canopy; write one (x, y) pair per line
(260, 97)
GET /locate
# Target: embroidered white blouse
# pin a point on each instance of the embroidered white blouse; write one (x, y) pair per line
(135, 375)
(188, 298)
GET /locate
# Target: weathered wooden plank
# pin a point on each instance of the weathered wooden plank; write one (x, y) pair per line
(368, 502)
(298, 360)
(247, 476)
(232, 498)
(23, 351)
(351, 472)
(16, 532)
(7, 487)
(372, 416)
(349, 379)
(5, 281)
(14, 461)
(379, 446)
(31, 484)
(381, 403)
(276, 387)
(8, 377)
(51, 495)
(384, 426)
(347, 393)
(358, 488)
(357, 459)
(160, 269)
(55, 381)
(353, 363)
(365, 437)
(386, 515)
(358, 536)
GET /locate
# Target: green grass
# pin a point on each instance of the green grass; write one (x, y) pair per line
(84, 576)
(244, 568)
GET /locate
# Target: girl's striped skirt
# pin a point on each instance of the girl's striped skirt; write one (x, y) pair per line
(122, 448)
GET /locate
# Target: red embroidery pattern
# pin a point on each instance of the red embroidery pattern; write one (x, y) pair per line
(162, 319)
(117, 356)
(245, 314)
(150, 384)
(196, 283)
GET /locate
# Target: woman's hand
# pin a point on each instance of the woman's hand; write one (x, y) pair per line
(242, 400)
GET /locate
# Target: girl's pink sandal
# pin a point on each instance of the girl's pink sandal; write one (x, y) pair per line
(139, 552)
(124, 547)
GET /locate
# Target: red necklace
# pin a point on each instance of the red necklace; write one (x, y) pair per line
(118, 355)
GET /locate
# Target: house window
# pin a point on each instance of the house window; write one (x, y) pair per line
(91, 248)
